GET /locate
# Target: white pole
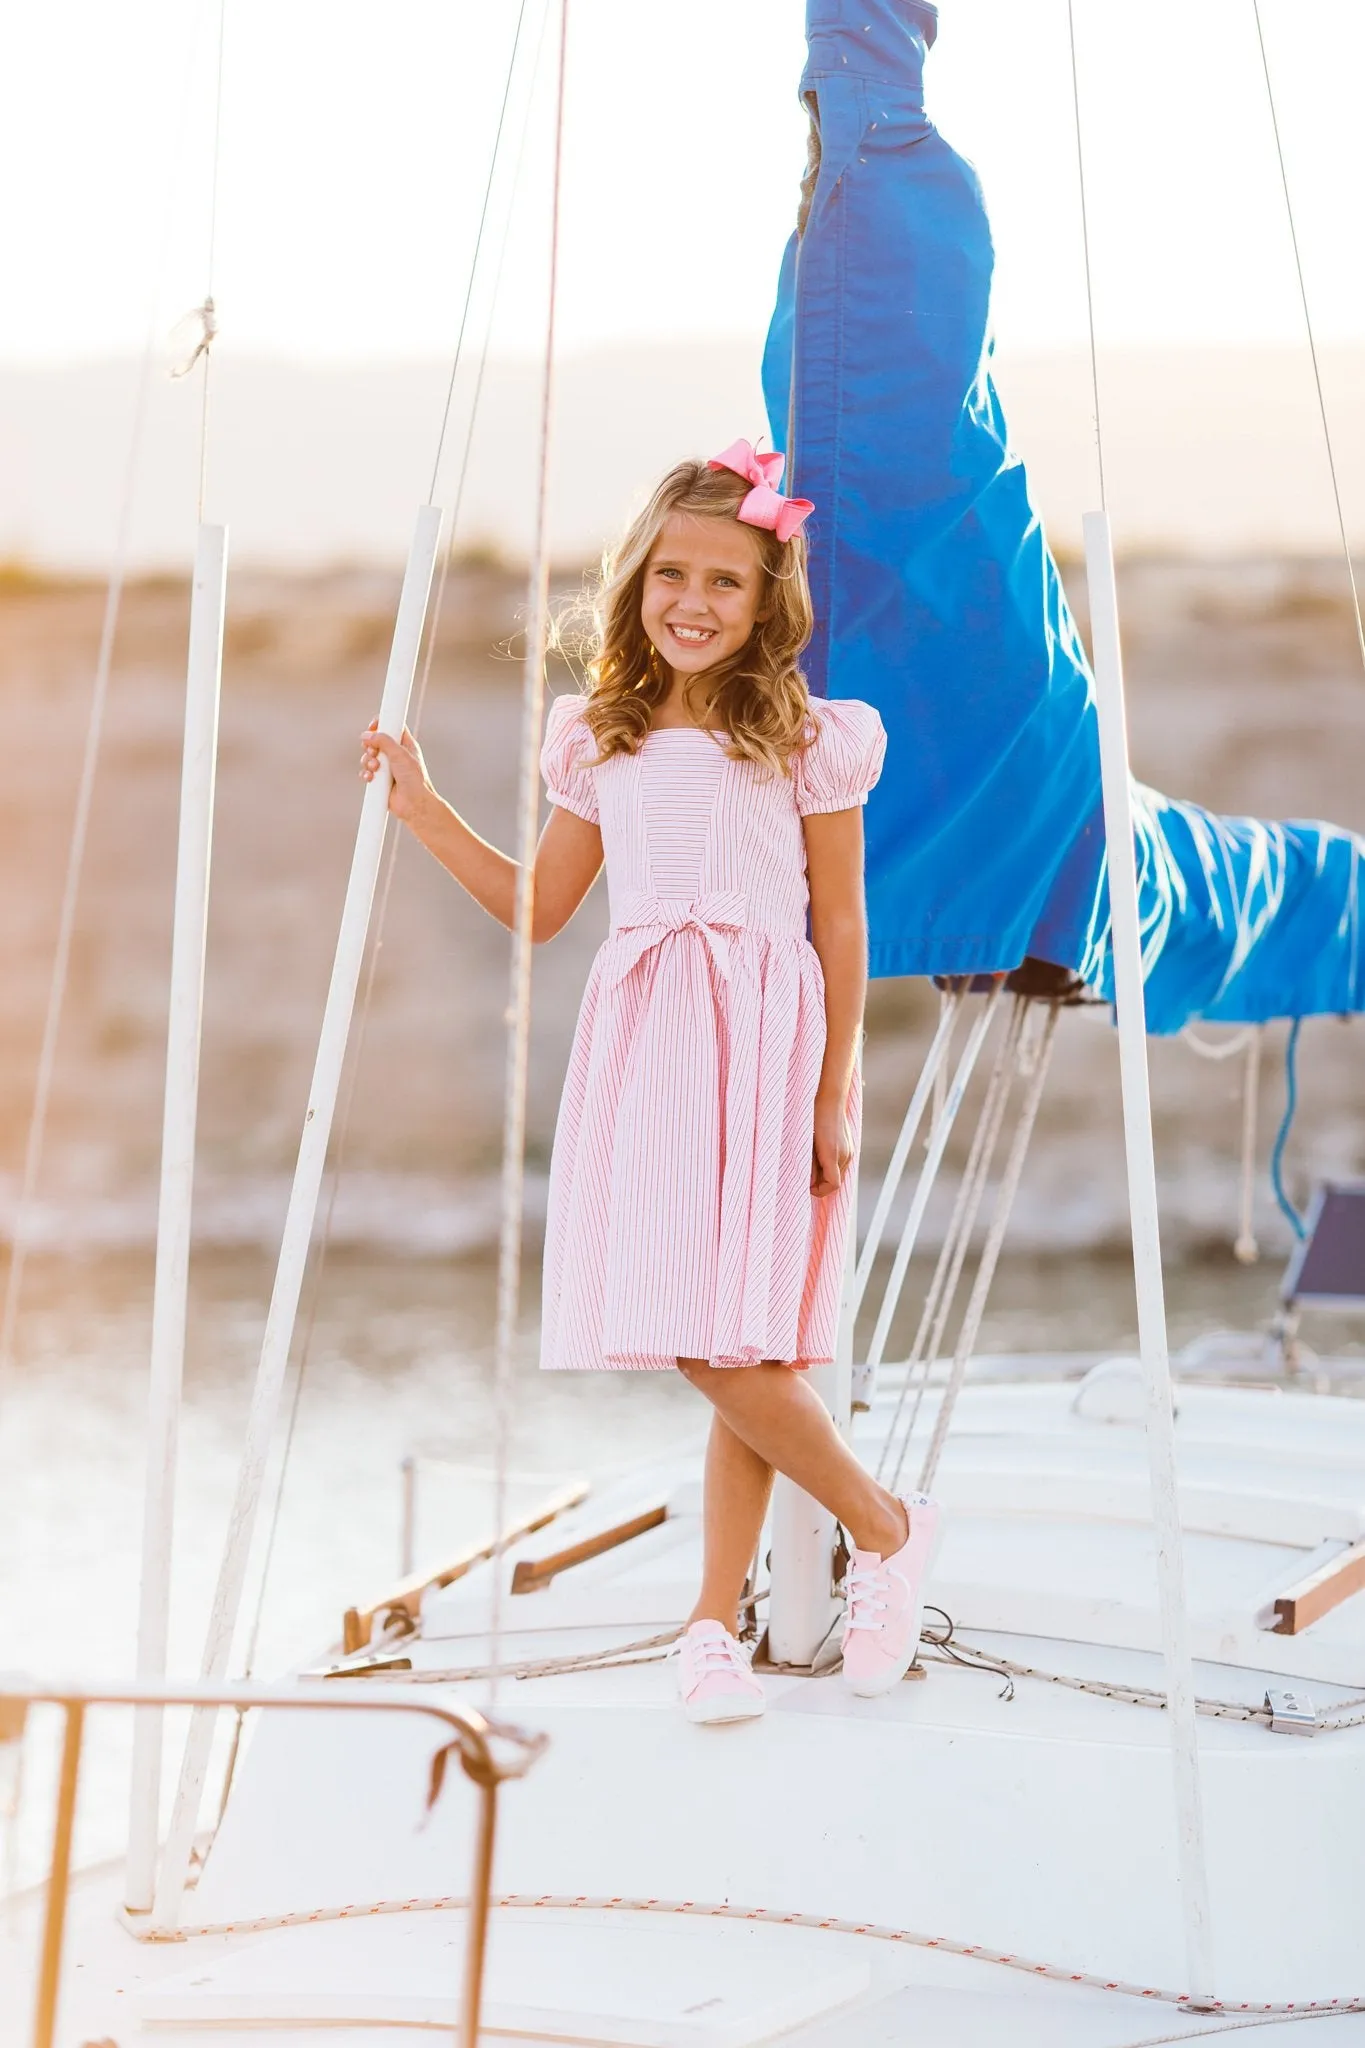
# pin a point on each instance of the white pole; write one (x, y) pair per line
(934, 1069)
(938, 1145)
(1126, 940)
(303, 1200)
(203, 683)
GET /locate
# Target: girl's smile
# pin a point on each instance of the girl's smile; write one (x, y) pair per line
(702, 587)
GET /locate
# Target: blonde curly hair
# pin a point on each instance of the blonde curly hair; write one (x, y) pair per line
(758, 697)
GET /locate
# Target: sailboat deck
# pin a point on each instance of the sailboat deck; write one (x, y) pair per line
(1034, 1820)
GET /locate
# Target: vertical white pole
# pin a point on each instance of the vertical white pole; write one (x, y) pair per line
(203, 682)
(924, 1187)
(934, 1071)
(1126, 940)
(303, 1200)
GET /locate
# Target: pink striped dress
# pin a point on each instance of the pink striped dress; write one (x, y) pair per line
(681, 1222)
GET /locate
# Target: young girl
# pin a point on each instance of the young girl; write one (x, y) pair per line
(700, 1185)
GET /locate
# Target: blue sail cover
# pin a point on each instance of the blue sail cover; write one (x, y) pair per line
(937, 600)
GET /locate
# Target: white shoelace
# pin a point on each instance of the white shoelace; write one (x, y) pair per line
(868, 1587)
(713, 1654)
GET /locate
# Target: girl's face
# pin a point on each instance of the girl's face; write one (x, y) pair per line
(702, 591)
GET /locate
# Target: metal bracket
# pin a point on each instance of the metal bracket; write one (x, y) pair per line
(1291, 1713)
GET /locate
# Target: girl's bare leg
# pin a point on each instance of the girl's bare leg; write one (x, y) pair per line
(738, 1483)
(775, 1411)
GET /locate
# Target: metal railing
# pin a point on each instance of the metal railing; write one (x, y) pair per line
(489, 1752)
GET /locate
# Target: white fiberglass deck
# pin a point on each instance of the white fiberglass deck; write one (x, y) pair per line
(1039, 1825)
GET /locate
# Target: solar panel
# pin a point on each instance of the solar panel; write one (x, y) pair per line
(1328, 1267)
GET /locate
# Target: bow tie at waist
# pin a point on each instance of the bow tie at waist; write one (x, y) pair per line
(646, 921)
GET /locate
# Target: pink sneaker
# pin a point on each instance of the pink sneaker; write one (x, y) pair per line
(714, 1679)
(886, 1604)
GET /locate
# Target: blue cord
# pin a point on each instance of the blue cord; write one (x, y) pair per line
(1291, 1103)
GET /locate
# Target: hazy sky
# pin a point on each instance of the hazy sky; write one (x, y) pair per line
(356, 138)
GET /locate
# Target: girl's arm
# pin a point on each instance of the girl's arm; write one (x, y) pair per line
(568, 857)
(838, 929)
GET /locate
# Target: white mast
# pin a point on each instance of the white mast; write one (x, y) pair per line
(303, 1200)
(203, 682)
(1126, 942)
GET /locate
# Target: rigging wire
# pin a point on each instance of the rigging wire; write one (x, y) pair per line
(209, 310)
(519, 982)
(1085, 245)
(1312, 338)
(391, 852)
(21, 1241)
(474, 264)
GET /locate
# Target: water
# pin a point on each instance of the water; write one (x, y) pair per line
(399, 1362)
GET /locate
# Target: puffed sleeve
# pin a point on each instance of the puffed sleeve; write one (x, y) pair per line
(843, 761)
(568, 746)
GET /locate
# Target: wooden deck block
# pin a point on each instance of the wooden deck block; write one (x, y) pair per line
(1299, 1606)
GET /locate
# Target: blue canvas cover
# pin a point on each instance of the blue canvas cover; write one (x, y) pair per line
(938, 601)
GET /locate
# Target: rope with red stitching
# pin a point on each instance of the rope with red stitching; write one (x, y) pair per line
(820, 1922)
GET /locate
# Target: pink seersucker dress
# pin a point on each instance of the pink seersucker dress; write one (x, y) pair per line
(681, 1222)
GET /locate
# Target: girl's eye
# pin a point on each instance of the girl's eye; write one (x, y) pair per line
(728, 582)
(668, 572)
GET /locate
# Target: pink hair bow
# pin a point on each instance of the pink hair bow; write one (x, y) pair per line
(765, 504)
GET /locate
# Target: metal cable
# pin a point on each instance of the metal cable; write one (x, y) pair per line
(21, 1241)
(210, 311)
(1312, 338)
(478, 244)
(1085, 245)
(519, 983)
(386, 881)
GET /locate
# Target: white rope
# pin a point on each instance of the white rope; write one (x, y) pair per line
(1245, 1248)
(945, 1647)
(822, 1922)
(948, 1271)
(935, 1065)
(1238, 2026)
(1308, 327)
(528, 820)
(948, 999)
(1248, 1040)
(1342, 1715)
(1219, 1049)
(985, 1272)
